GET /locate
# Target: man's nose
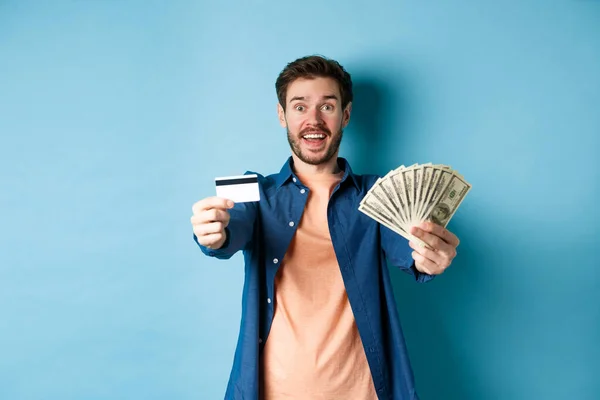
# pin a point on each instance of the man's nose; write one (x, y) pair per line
(314, 116)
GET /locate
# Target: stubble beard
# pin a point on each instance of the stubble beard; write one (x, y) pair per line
(331, 151)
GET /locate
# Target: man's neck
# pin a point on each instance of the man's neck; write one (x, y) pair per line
(328, 168)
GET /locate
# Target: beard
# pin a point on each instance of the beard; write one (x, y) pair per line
(307, 156)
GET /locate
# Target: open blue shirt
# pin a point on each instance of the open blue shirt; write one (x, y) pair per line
(263, 231)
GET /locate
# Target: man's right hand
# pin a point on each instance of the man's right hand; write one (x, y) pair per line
(209, 220)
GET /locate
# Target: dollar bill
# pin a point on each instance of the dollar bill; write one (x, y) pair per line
(436, 190)
(374, 207)
(453, 194)
(407, 196)
(425, 180)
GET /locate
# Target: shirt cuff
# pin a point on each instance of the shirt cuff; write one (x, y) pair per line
(222, 252)
(421, 277)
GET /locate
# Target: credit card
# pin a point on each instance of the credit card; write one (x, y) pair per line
(239, 189)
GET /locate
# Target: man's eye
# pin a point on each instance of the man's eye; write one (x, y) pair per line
(327, 107)
(299, 108)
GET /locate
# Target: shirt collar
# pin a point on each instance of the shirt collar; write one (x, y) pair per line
(287, 173)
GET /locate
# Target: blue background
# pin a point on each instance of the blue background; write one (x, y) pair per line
(115, 116)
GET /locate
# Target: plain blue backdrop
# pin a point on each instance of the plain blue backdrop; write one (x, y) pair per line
(115, 116)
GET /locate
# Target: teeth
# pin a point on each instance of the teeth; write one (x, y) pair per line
(314, 136)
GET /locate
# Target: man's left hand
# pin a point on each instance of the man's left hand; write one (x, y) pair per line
(442, 243)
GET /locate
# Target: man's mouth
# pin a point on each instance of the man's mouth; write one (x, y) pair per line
(314, 140)
(314, 136)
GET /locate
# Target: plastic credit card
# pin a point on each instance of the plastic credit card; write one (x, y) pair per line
(239, 189)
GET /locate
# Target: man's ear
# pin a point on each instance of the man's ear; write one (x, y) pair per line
(281, 115)
(346, 116)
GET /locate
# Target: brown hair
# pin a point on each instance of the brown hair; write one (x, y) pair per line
(310, 67)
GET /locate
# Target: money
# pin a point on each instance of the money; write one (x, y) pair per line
(407, 196)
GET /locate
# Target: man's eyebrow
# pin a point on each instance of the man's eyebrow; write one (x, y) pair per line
(297, 98)
(326, 97)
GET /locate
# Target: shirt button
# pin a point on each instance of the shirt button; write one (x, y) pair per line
(275, 261)
(291, 223)
(294, 179)
(302, 191)
(269, 300)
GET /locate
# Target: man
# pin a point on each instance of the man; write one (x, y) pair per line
(440, 214)
(319, 319)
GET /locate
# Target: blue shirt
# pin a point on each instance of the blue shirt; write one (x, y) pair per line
(263, 231)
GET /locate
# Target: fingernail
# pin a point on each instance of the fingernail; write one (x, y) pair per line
(414, 230)
(229, 203)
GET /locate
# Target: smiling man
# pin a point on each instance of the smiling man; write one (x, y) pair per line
(319, 320)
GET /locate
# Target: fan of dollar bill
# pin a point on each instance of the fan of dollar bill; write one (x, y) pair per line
(407, 196)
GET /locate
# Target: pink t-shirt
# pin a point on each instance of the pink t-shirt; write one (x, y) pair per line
(313, 350)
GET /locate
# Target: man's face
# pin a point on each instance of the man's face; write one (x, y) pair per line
(440, 213)
(314, 119)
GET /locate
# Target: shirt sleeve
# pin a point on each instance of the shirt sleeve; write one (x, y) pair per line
(399, 254)
(239, 232)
